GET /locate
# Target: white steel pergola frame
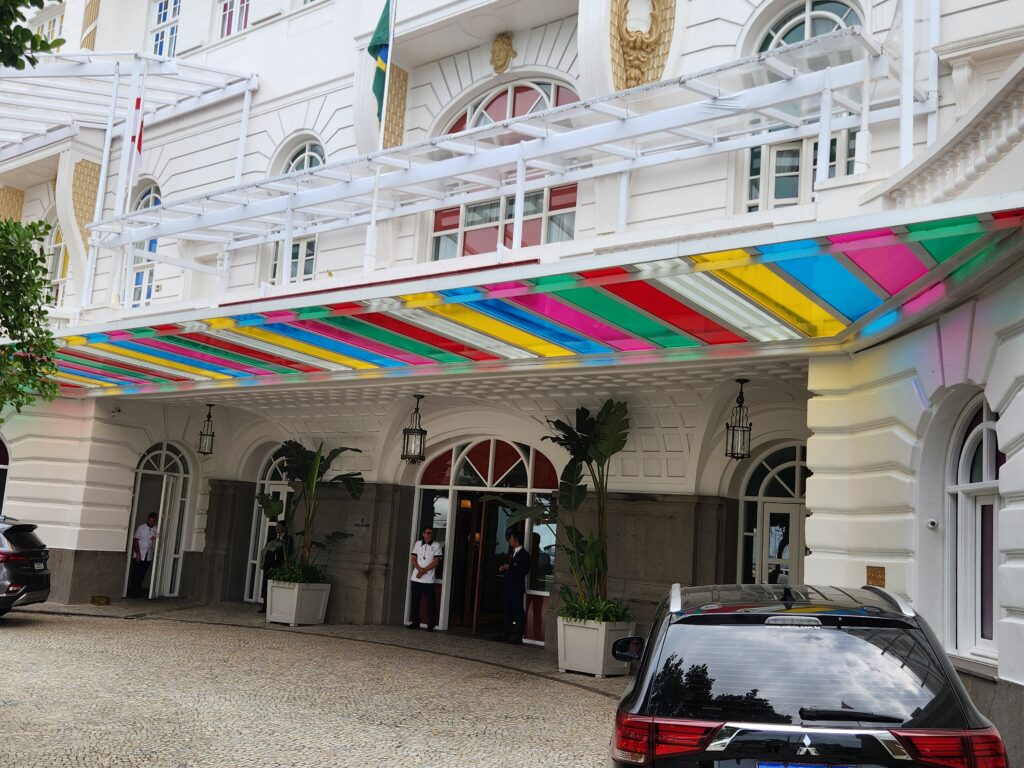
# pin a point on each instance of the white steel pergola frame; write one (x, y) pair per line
(114, 92)
(610, 135)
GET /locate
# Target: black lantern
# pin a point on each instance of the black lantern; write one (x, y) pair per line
(206, 434)
(737, 428)
(414, 437)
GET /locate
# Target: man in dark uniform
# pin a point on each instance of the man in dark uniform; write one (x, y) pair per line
(516, 570)
(274, 556)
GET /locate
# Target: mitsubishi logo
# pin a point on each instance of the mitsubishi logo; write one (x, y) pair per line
(807, 749)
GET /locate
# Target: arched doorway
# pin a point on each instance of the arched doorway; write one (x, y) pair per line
(450, 498)
(271, 481)
(773, 516)
(161, 487)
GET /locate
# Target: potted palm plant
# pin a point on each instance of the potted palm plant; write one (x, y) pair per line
(588, 622)
(298, 590)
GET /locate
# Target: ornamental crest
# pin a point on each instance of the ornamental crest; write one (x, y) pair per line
(502, 53)
(641, 36)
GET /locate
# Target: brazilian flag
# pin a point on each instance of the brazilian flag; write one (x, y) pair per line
(378, 49)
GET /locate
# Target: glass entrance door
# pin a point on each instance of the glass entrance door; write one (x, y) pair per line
(480, 547)
(783, 545)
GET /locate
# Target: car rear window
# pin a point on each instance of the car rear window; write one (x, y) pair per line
(21, 537)
(766, 674)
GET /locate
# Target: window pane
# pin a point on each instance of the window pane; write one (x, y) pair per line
(480, 241)
(978, 463)
(767, 674)
(445, 247)
(787, 161)
(562, 197)
(531, 233)
(754, 190)
(542, 553)
(561, 227)
(524, 100)
(786, 187)
(565, 96)
(434, 513)
(533, 204)
(986, 560)
(446, 219)
(755, 161)
(748, 574)
(750, 517)
(483, 213)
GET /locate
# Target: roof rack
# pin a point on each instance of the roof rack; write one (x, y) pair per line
(901, 604)
(675, 599)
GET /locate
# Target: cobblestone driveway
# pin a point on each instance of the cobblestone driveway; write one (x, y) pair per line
(79, 691)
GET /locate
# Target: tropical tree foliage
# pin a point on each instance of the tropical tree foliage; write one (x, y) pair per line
(306, 470)
(591, 441)
(19, 45)
(26, 343)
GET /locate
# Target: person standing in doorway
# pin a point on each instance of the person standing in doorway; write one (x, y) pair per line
(425, 558)
(143, 546)
(516, 570)
(274, 556)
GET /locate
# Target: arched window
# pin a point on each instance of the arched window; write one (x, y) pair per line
(513, 100)
(973, 502)
(781, 175)
(773, 512)
(57, 256)
(453, 490)
(161, 489)
(272, 481)
(307, 155)
(811, 18)
(5, 463)
(144, 268)
(549, 215)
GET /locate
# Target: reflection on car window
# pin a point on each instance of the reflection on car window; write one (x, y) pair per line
(762, 673)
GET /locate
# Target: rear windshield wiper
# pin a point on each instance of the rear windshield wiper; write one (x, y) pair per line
(814, 713)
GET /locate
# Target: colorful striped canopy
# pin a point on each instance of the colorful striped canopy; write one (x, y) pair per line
(837, 287)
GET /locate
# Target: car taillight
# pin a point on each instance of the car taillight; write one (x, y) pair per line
(956, 749)
(11, 557)
(639, 738)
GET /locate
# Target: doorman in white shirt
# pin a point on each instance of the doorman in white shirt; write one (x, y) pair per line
(143, 546)
(425, 559)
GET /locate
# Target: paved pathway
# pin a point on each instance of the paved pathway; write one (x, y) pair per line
(193, 691)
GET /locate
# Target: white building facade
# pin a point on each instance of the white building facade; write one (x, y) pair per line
(640, 199)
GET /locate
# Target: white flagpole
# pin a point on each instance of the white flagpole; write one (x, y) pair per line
(370, 254)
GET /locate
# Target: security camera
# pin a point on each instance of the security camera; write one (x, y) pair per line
(932, 524)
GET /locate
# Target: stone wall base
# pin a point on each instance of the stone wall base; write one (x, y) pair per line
(1002, 702)
(77, 575)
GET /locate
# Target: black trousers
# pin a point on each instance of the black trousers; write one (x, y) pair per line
(136, 576)
(513, 620)
(423, 590)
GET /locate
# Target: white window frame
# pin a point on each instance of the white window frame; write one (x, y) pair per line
(307, 155)
(163, 34)
(304, 252)
(144, 268)
(843, 143)
(506, 216)
(790, 18)
(964, 520)
(59, 266)
(49, 23)
(234, 17)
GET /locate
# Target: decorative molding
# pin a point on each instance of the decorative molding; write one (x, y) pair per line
(976, 142)
(502, 53)
(641, 35)
(12, 201)
(84, 185)
(394, 120)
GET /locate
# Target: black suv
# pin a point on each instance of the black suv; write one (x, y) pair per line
(780, 676)
(24, 577)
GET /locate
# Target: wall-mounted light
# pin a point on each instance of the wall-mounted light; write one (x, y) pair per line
(738, 427)
(414, 437)
(206, 434)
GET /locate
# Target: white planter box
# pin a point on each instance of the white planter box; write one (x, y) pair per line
(291, 603)
(586, 646)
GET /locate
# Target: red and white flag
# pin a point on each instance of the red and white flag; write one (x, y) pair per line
(138, 119)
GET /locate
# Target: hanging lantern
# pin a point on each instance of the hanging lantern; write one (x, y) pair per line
(737, 428)
(206, 434)
(414, 437)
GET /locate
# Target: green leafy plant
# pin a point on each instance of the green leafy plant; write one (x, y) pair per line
(27, 346)
(591, 441)
(19, 45)
(306, 470)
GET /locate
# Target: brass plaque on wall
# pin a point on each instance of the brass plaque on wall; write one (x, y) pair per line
(876, 576)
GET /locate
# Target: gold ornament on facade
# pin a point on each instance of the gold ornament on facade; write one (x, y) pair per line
(641, 38)
(502, 53)
(394, 118)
